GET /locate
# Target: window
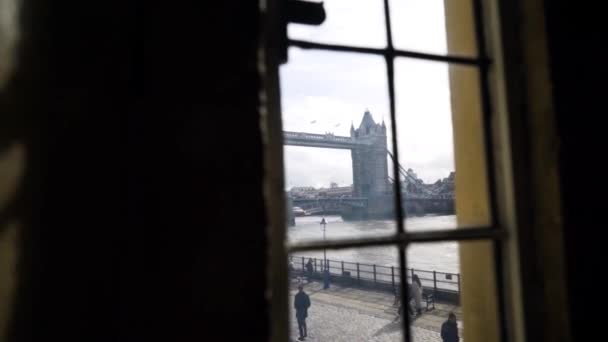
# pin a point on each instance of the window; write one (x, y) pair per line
(473, 287)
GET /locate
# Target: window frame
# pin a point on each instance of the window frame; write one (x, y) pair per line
(498, 162)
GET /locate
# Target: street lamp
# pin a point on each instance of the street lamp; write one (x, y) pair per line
(325, 268)
(323, 226)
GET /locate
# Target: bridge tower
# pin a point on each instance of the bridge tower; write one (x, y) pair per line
(370, 169)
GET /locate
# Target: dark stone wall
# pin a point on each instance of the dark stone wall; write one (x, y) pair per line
(132, 188)
(579, 72)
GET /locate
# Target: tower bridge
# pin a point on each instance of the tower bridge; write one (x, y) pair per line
(372, 191)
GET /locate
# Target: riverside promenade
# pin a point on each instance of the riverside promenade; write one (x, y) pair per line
(344, 313)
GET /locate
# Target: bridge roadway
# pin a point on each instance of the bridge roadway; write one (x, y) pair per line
(359, 202)
(363, 201)
(360, 208)
(322, 140)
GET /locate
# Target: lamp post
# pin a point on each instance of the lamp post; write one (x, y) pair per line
(325, 268)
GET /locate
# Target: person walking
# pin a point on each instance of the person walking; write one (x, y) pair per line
(397, 303)
(449, 329)
(301, 303)
(417, 293)
(309, 269)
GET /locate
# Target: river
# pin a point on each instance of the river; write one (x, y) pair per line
(441, 257)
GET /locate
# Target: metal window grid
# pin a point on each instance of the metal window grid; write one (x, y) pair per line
(401, 239)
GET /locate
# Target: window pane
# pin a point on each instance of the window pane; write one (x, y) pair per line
(337, 131)
(348, 22)
(359, 302)
(423, 26)
(435, 104)
(456, 278)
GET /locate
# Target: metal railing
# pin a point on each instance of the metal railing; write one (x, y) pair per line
(388, 276)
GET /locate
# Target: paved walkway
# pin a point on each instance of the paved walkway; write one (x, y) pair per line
(355, 314)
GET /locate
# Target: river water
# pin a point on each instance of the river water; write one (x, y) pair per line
(441, 257)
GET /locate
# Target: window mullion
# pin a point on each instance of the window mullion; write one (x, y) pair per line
(303, 44)
(482, 233)
(402, 238)
(400, 217)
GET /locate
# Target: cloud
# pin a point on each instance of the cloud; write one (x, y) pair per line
(334, 89)
(316, 167)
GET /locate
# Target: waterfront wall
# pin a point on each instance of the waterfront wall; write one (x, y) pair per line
(445, 286)
(383, 207)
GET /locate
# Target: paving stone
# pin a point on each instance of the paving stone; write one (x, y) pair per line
(353, 314)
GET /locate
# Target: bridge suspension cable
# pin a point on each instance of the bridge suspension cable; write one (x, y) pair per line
(409, 178)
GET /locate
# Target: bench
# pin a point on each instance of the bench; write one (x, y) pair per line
(429, 298)
(427, 295)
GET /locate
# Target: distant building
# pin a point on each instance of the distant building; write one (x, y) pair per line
(303, 192)
(338, 191)
(310, 192)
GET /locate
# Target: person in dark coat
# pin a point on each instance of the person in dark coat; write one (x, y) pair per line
(449, 329)
(301, 303)
(309, 269)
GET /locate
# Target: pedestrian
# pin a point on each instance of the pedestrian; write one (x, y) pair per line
(449, 329)
(301, 303)
(417, 293)
(326, 278)
(410, 299)
(397, 294)
(397, 303)
(400, 304)
(399, 311)
(309, 269)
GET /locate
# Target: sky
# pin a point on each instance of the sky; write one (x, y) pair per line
(327, 91)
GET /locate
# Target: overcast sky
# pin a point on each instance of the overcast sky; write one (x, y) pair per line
(326, 91)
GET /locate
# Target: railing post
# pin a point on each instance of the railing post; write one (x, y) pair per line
(315, 266)
(358, 277)
(342, 267)
(458, 275)
(303, 268)
(412, 274)
(393, 276)
(374, 273)
(434, 283)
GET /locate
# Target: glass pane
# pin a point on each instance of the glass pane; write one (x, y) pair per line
(337, 131)
(353, 301)
(457, 278)
(348, 22)
(434, 26)
(438, 104)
